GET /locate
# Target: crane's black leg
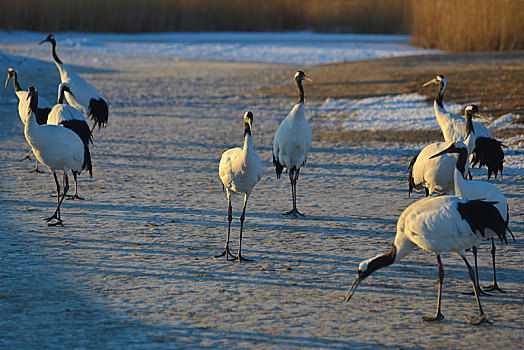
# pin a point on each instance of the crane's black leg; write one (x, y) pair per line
(475, 320)
(59, 200)
(474, 250)
(242, 217)
(36, 170)
(226, 251)
(438, 317)
(293, 176)
(75, 196)
(494, 286)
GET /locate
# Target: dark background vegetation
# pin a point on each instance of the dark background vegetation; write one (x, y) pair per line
(460, 25)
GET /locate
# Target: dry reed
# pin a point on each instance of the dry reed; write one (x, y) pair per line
(129, 16)
(468, 25)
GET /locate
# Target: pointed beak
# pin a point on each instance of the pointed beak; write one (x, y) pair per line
(43, 41)
(478, 114)
(447, 150)
(432, 81)
(353, 288)
(307, 78)
(8, 78)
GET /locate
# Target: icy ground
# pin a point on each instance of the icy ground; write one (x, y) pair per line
(132, 268)
(302, 48)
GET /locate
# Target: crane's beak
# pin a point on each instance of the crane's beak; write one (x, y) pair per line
(43, 41)
(447, 150)
(432, 81)
(353, 288)
(307, 78)
(70, 93)
(8, 78)
(478, 114)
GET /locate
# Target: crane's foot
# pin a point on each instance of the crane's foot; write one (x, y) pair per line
(27, 156)
(241, 258)
(493, 288)
(75, 196)
(476, 320)
(227, 253)
(480, 292)
(437, 318)
(58, 222)
(295, 213)
(36, 170)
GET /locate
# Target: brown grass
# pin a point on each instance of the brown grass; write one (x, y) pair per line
(468, 25)
(128, 16)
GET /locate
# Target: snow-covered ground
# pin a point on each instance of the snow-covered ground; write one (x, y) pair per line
(133, 266)
(302, 48)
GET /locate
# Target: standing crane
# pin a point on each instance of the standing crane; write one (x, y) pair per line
(86, 99)
(240, 170)
(292, 142)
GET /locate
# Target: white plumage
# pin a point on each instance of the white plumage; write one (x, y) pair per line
(484, 148)
(56, 147)
(42, 111)
(240, 170)
(439, 225)
(478, 190)
(292, 142)
(86, 97)
(71, 118)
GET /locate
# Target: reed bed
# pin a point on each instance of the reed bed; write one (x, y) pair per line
(131, 16)
(468, 25)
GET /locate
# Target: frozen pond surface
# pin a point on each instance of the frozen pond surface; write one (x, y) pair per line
(132, 266)
(302, 48)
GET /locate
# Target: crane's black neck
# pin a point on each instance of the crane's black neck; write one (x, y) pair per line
(53, 50)
(379, 262)
(469, 124)
(15, 81)
(33, 99)
(461, 161)
(440, 94)
(60, 97)
(300, 89)
(247, 129)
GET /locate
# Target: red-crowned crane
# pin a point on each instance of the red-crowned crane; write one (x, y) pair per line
(240, 170)
(439, 225)
(42, 110)
(478, 190)
(436, 175)
(71, 118)
(86, 99)
(485, 150)
(56, 147)
(292, 142)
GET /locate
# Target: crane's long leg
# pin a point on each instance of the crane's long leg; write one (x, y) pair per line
(475, 320)
(59, 200)
(438, 317)
(28, 155)
(75, 196)
(293, 176)
(494, 286)
(226, 251)
(474, 250)
(242, 218)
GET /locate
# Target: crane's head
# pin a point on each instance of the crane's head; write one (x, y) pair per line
(248, 121)
(455, 147)
(439, 79)
(367, 267)
(49, 38)
(473, 111)
(10, 73)
(33, 99)
(300, 75)
(64, 87)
